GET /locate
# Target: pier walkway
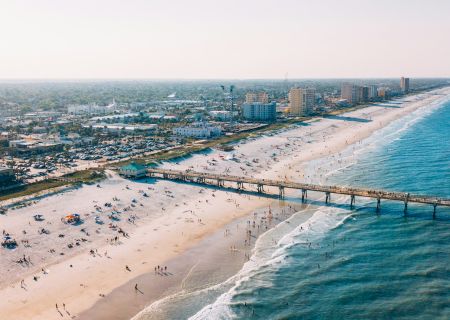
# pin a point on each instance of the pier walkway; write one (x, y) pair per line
(220, 179)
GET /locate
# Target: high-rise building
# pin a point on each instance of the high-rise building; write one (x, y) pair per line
(258, 111)
(351, 93)
(383, 92)
(404, 84)
(261, 97)
(373, 92)
(302, 101)
(363, 94)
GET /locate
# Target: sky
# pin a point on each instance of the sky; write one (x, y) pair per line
(235, 39)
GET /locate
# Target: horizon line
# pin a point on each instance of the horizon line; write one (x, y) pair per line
(217, 79)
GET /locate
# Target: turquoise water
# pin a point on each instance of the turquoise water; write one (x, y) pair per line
(358, 264)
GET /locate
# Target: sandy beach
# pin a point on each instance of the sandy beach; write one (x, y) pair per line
(90, 270)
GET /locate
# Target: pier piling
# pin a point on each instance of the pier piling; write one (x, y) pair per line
(304, 194)
(281, 191)
(260, 188)
(327, 197)
(406, 204)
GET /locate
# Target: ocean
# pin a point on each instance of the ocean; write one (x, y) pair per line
(355, 263)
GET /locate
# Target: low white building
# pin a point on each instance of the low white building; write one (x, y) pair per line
(123, 128)
(91, 109)
(221, 115)
(115, 117)
(198, 131)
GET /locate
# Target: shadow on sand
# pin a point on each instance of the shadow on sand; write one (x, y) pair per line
(344, 118)
(387, 105)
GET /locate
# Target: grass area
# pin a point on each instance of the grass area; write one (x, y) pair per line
(85, 176)
(25, 190)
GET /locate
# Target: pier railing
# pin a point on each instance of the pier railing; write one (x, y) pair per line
(220, 179)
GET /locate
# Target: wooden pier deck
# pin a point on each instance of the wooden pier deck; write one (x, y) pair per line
(220, 179)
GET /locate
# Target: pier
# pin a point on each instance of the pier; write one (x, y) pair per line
(220, 179)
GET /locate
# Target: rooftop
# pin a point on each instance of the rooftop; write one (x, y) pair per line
(133, 166)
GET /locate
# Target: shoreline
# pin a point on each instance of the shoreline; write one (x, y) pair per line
(88, 294)
(216, 258)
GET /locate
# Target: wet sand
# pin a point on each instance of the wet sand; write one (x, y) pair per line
(216, 258)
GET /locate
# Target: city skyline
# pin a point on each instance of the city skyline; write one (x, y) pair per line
(201, 39)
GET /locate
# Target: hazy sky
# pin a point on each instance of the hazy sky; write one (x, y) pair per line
(224, 39)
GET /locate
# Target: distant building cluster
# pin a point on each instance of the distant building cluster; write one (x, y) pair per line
(91, 109)
(355, 94)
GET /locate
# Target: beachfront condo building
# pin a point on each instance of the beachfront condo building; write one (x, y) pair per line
(356, 94)
(363, 94)
(258, 111)
(261, 97)
(383, 92)
(351, 93)
(302, 101)
(373, 92)
(404, 84)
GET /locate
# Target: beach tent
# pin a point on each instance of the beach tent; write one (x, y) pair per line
(72, 218)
